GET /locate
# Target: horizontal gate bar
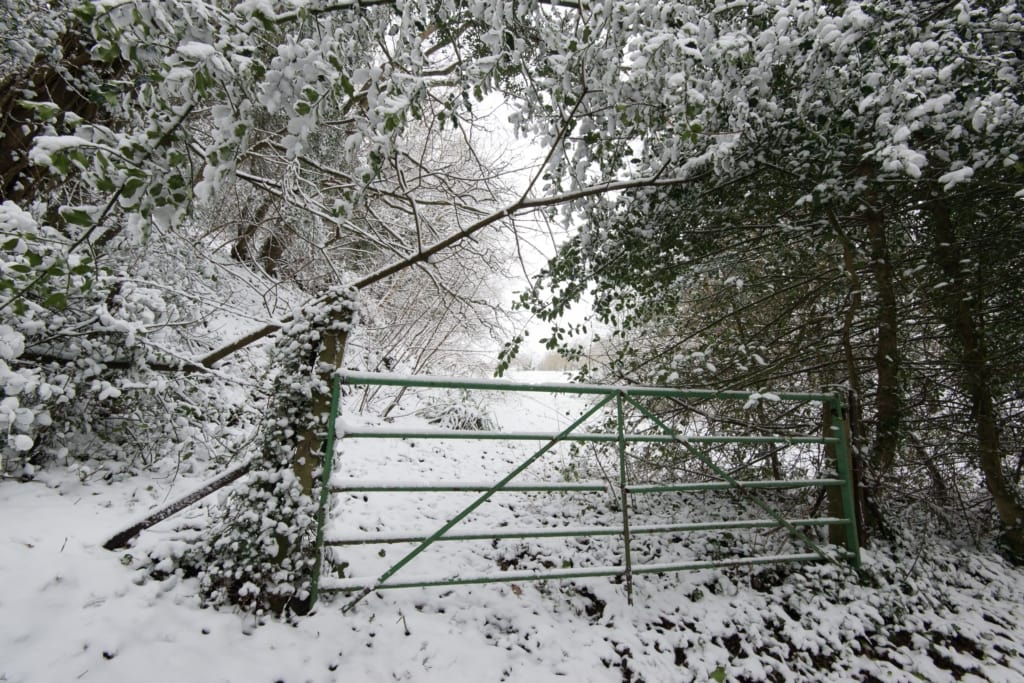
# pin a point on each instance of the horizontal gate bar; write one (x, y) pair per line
(567, 532)
(465, 434)
(344, 585)
(364, 486)
(438, 382)
(724, 485)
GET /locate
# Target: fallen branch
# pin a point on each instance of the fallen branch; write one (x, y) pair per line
(120, 539)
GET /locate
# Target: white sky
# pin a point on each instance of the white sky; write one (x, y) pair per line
(537, 239)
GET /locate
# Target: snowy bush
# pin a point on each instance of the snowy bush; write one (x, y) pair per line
(84, 374)
(459, 411)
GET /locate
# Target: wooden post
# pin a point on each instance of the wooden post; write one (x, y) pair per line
(308, 451)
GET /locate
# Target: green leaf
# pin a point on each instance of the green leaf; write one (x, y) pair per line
(132, 186)
(85, 11)
(108, 53)
(47, 111)
(268, 24)
(203, 81)
(57, 300)
(78, 157)
(76, 216)
(346, 85)
(61, 163)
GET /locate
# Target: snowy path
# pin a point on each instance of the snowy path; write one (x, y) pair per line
(71, 611)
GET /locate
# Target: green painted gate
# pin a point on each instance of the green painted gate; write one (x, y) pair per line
(619, 398)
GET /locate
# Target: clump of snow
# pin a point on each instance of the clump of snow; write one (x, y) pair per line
(12, 343)
(196, 50)
(960, 175)
(45, 146)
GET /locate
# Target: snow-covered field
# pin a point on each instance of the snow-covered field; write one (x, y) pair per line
(70, 610)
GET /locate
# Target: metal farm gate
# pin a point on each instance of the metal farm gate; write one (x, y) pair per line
(619, 399)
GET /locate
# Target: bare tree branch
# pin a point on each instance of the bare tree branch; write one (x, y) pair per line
(523, 204)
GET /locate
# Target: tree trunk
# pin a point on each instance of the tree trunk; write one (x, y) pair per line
(869, 517)
(310, 455)
(309, 451)
(271, 254)
(961, 304)
(836, 533)
(243, 246)
(887, 356)
(261, 550)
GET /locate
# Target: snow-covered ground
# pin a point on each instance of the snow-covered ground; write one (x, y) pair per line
(70, 610)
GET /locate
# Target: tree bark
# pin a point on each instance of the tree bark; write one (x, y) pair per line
(869, 517)
(309, 451)
(887, 355)
(271, 254)
(309, 454)
(242, 248)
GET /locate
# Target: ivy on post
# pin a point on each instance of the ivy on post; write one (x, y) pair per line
(260, 553)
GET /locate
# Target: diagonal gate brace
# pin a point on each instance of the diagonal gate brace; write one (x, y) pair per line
(473, 506)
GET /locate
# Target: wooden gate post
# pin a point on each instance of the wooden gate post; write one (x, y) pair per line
(309, 449)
